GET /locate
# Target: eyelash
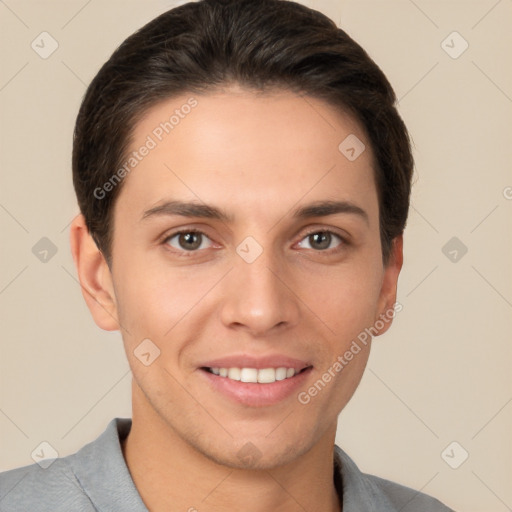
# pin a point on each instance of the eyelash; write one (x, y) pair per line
(187, 254)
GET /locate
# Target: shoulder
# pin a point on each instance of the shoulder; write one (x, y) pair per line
(93, 478)
(406, 499)
(54, 488)
(362, 491)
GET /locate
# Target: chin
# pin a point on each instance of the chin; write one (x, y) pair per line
(260, 453)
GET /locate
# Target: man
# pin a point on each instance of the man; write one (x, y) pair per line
(243, 179)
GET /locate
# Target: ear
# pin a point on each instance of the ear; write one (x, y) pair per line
(94, 275)
(387, 297)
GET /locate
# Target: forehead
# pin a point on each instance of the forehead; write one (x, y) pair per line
(243, 147)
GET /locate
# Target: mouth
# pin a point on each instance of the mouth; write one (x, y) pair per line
(256, 382)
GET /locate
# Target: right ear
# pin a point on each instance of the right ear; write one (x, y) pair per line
(94, 276)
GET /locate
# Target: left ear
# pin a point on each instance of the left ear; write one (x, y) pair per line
(387, 297)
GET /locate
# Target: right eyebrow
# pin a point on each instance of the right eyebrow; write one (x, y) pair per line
(187, 209)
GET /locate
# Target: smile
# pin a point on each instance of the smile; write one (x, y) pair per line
(256, 387)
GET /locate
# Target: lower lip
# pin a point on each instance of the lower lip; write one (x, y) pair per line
(255, 394)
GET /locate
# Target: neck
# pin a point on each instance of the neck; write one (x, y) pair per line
(169, 474)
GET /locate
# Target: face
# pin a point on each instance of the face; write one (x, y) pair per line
(245, 239)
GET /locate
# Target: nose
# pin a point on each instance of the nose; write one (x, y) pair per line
(258, 296)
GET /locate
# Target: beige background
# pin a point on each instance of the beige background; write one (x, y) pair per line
(441, 374)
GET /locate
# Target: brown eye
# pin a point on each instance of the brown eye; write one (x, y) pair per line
(187, 240)
(321, 240)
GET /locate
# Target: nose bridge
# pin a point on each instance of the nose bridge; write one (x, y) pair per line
(255, 296)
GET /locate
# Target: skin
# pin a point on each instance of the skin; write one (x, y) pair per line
(258, 157)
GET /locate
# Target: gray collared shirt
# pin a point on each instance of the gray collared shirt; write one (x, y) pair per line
(96, 479)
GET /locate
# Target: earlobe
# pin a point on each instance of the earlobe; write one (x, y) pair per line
(387, 298)
(94, 276)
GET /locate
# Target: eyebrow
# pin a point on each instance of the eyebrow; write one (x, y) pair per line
(193, 209)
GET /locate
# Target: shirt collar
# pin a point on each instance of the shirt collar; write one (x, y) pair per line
(102, 471)
(359, 492)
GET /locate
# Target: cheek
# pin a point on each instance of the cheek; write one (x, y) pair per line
(155, 299)
(345, 298)
(348, 308)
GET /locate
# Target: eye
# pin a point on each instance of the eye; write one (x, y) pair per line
(188, 240)
(321, 240)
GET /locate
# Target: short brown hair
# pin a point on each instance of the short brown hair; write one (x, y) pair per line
(259, 44)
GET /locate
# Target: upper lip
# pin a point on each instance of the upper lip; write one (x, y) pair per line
(258, 362)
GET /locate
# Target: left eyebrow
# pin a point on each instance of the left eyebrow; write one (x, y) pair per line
(324, 208)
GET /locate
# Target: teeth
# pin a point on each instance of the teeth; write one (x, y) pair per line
(280, 373)
(263, 376)
(249, 375)
(234, 373)
(266, 375)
